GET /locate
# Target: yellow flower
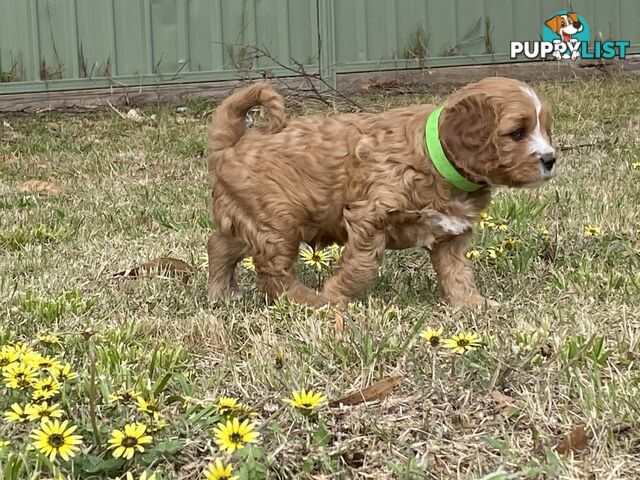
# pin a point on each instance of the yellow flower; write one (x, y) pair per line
(44, 411)
(335, 251)
(227, 405)
(157, 423)
(592, 230)
(501, 227)
(248, 264)
(151, 407)
(306, 401)
(63, 372)
(434, 337)
(7, 357)
(233, 435)
(462, 342)
(124, 395)
(125, 443)
(219, 471)
(19, 375)
(45, 388)
(315, 258)
(510, 244)
(48, 340)
(635, 165)
(543, 231)
(144, 476)
(495, 252)
(4, 443)
(473, 254)
(48, 364)
(54, 438)
(18, 413)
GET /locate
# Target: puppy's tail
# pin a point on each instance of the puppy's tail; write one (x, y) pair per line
(228, 122)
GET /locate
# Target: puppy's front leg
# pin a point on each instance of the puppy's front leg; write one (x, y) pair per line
(449, 258)
(362, 254)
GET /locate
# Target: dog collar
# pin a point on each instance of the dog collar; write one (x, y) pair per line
(440, 160)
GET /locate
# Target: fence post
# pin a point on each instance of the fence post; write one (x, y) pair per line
(327, 41)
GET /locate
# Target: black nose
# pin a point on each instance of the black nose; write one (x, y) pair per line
(577, 25)
(548, 160)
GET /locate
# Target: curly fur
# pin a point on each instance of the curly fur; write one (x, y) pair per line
(364, 181)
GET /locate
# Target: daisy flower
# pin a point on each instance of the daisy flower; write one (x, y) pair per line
(124, 395)
(4, 443)
(495, 252)
(219, 471)
(7, 357)
(592, 230)
(55, 438)
(45, 388)
(17, 413)
(63, 372)
(44, 411)
(318, 259)
(151, 407)
(126, 442)
(462, 342)
(248, 264)
(306, 401)
(45, 363)
(335, 251)
(233, 435)
(473, 254)
(635, 165)
(227, 405)
(19, 375)
(432, 336)
(510, 244)
(48, 340)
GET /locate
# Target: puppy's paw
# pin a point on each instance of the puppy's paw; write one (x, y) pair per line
(474, 302)
(224, 293)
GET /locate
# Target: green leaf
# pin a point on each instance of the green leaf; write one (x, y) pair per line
(168, 447)
(321, 436)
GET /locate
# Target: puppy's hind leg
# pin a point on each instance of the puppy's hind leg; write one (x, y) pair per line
(275, 274)
(224, 253)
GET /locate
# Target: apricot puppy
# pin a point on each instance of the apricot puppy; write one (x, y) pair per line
(416, 176)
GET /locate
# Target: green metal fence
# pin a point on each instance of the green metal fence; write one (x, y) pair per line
(67, 44)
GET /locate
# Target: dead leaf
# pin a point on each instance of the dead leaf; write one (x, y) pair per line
(161, 266)
(577, 440)
(377, 391)
(339, 322)
(504, 403)
(39, 186)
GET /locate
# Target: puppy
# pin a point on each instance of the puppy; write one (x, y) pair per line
(368, 182)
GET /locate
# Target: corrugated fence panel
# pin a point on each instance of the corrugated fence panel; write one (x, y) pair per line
(60, 44)
(96, 41)
(58, 39)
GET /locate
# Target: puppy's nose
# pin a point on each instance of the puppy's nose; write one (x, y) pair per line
(548, 160)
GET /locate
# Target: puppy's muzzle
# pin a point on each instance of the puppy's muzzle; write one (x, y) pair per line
(548, 161)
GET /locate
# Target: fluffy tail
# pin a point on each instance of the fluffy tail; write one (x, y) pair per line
(228, 123)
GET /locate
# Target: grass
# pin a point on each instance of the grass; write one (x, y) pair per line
(559, 355)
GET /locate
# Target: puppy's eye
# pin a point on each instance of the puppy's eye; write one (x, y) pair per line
(517, 135)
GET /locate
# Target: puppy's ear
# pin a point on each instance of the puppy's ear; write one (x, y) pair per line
(468, 130)
(573, 17)
(554, 23)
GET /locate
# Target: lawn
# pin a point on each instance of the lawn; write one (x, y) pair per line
(551, 392)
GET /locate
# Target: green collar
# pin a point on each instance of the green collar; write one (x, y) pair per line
(440, 160)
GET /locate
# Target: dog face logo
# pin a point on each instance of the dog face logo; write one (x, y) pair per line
(568, 28)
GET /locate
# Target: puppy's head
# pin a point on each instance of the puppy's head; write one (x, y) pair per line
(498, 131)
